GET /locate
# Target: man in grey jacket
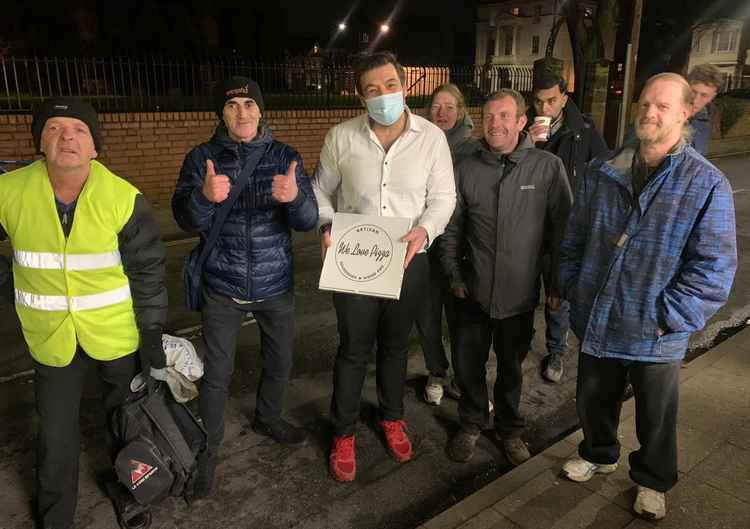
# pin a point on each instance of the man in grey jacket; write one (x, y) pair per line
(511, 206)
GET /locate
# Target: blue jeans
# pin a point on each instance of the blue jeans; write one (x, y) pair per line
(557, 327)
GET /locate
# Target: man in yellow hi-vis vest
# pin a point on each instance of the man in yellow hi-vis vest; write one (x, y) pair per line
(88, 280)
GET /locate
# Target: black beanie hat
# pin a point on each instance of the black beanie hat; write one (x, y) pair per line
(68, 107)
(237, 87)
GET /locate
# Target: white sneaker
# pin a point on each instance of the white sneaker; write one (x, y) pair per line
(433, 390)
(580, 470)
(650, 504)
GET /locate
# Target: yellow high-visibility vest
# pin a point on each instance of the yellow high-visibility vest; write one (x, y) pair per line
(70, 291)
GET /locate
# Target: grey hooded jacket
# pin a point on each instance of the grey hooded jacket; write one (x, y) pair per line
(461, 140)
(511, 210)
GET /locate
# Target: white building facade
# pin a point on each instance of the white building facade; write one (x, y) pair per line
(515, 33)
(723, 43)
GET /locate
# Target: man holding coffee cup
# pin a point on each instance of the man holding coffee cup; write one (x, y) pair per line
(558, 126)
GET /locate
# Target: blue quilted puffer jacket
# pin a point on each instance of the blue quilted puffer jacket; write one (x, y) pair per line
(252, 258)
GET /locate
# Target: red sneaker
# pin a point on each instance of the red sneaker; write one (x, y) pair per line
(399, 445)
(343, 461)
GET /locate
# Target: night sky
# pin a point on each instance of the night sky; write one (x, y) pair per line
(422, 31)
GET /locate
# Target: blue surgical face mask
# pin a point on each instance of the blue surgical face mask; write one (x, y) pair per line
(386, 109)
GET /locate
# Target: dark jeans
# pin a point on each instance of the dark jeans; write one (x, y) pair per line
(429, 320)
(601, 382)
(557, 324)
(363, 321)
(222, 317)
(510, 338)
(58, 399)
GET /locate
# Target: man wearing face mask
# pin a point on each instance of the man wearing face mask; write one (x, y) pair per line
(388, 162)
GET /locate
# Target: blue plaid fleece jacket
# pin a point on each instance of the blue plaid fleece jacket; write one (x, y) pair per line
(633, 269)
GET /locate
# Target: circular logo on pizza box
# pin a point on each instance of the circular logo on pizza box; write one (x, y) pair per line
(363, 252)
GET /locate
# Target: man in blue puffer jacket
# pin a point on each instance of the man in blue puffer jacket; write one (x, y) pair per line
(250, 267)
(649, 256)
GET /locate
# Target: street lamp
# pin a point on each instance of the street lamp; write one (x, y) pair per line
(342, 26)
(385, 28)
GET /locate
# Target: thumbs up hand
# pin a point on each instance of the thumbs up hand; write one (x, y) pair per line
(284, 187)
(216, 187)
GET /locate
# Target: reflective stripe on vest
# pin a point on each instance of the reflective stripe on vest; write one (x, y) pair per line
(56, 261)
(74, 303)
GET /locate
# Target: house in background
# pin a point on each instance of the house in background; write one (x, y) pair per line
(723, 43)
(515, 33)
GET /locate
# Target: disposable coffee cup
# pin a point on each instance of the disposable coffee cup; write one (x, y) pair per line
(546, 121)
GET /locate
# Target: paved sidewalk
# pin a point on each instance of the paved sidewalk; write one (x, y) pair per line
(714, 465)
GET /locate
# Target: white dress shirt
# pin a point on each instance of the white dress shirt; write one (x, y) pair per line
(414, 179)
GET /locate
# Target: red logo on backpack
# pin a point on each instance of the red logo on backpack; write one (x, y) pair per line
(139, 471)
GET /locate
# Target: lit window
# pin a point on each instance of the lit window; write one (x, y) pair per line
(724, 41)
(515, 11)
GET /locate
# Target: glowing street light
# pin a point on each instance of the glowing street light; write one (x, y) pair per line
(342, 26)
(385, 28)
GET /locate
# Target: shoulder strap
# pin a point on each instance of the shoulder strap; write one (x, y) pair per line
(155, 406)
(223, 212)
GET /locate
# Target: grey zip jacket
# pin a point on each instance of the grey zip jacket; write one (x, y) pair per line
(511, 211)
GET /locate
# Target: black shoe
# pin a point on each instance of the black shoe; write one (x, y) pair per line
(203, 484)
(282, 432)
(461, 447)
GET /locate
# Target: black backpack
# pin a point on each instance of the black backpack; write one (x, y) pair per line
(161, 441)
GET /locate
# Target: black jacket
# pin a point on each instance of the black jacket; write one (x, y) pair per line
(511, 210)
(576, 142)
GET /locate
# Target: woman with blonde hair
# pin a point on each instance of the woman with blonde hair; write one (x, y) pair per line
(447, 110)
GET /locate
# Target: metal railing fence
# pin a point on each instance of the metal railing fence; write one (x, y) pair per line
(126, 84)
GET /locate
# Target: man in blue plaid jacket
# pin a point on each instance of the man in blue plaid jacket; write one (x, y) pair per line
(648, 257)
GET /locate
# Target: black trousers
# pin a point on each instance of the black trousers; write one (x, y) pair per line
(58, 399)
(510, 338)
(601, 382)
(430, 317)
(222, 318)
(364, 321)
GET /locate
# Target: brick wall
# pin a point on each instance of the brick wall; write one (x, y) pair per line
(148, 148)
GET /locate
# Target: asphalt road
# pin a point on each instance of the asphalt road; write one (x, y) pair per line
(264, 486)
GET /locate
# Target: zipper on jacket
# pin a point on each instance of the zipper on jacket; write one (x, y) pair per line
(250, 190)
